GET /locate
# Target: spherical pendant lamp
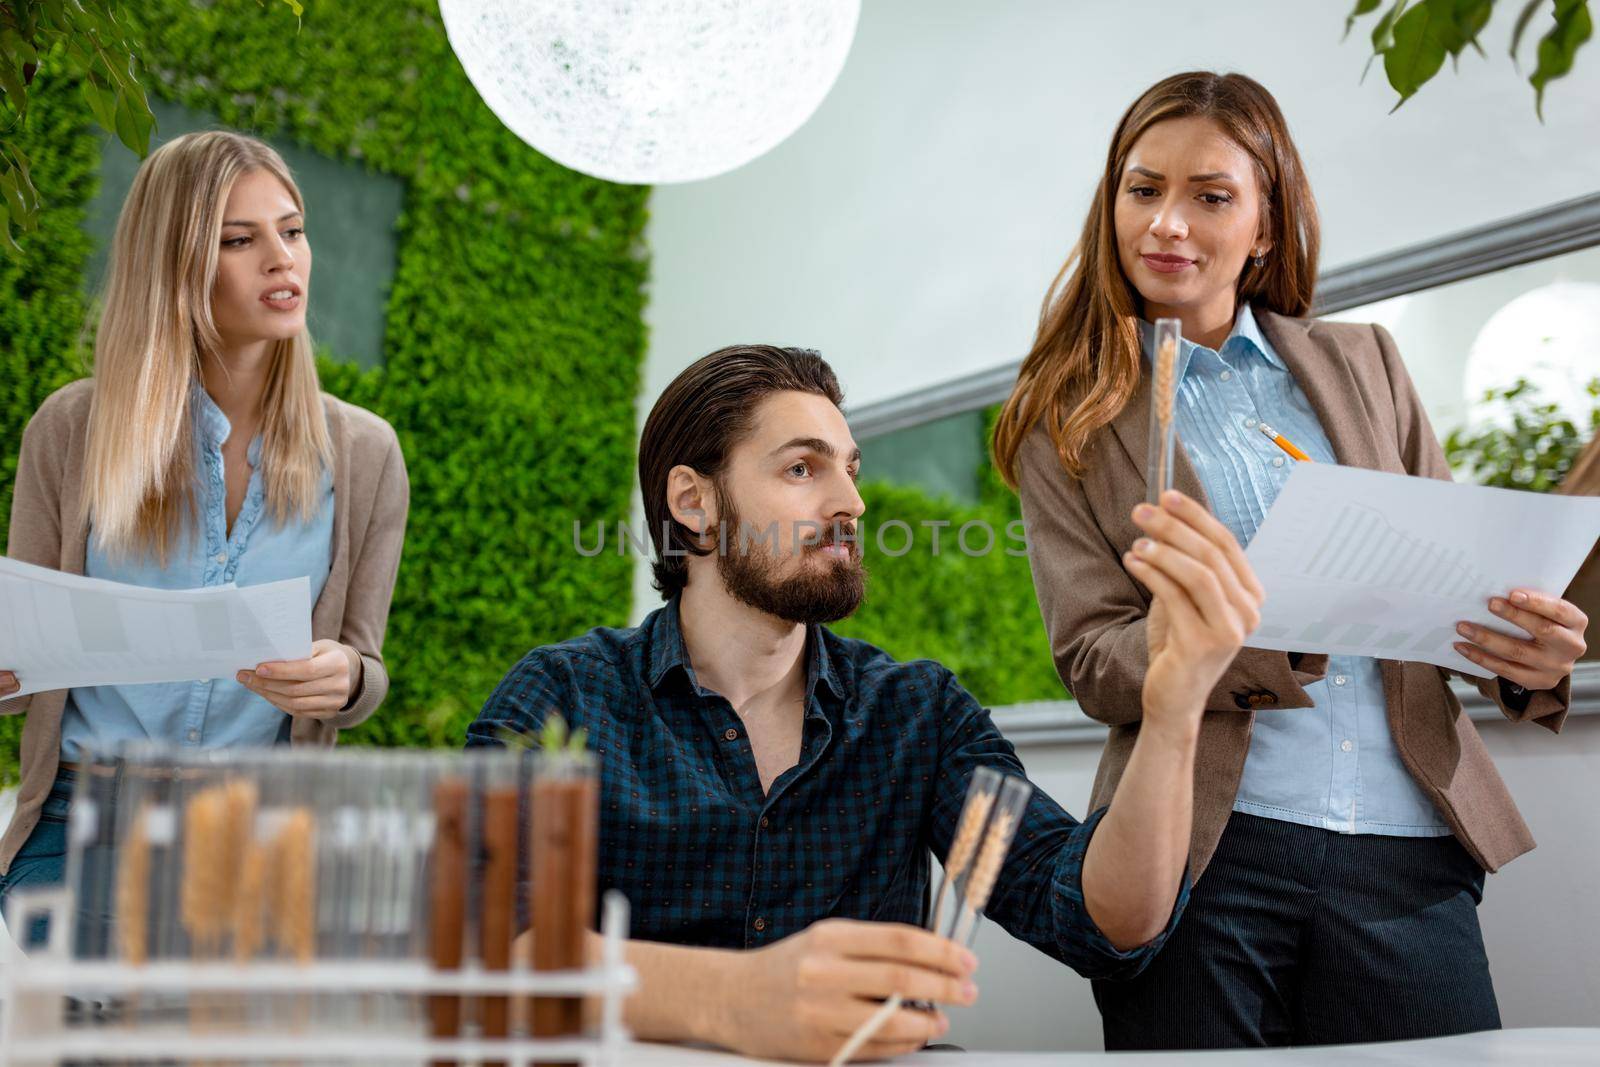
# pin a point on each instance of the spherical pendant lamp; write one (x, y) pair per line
(652, 91)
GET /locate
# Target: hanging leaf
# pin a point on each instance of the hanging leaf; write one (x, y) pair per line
(1468, 18)
(134, 122)
(1528, 11)
(9, 244)
(20, 164)
(13, 199)
(1363, 7)
(1557, 48)
(101, 100)
(1383, 32)
(1418, 50)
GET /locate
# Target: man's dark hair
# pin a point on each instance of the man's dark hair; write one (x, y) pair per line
(697, 421)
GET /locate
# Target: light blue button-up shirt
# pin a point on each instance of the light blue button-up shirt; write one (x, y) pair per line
(214, 713)
(1333, 765)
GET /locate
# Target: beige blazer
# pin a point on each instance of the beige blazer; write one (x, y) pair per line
(1095, 611)
(371, 496)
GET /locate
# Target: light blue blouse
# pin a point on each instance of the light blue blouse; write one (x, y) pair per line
(1333, 765)
(216, 713)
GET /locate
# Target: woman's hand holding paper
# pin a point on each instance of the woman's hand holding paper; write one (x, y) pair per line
(316, 688)
(1555, 630)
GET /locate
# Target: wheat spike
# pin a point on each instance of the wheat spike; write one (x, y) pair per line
(296, 898)
(242, 797)
(968, 832)
(1166, 381)
(133, 893)
(990, 858)
(204, 895)
(250, 901)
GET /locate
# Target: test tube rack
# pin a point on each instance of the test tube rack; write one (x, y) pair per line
(34, 1031)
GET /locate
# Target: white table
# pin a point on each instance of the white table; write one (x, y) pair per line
(1503, 1048)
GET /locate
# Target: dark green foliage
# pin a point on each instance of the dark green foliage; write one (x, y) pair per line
(1414, 37)
(513, 340)
(41, 302)
(974, 613)
(1534, 452)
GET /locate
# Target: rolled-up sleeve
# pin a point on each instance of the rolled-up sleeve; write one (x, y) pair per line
(1038, 897)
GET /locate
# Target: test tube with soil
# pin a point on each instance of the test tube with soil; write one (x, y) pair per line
(501, 800)
(452, 813)
(563, 848)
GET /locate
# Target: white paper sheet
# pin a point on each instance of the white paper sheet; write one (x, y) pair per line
(61, 630)
(1366, 563)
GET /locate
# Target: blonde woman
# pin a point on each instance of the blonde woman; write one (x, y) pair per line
(203, 452)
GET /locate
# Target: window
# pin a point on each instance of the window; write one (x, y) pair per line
(350, 219)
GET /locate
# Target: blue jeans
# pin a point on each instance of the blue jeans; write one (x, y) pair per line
(41, 863)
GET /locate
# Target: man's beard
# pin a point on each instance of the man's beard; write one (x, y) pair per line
(814, 595)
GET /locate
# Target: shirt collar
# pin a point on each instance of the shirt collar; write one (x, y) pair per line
(667, 651)
(1247, 328)
(1246, 334)
(213, 426)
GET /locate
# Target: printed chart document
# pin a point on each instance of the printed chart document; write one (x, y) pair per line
(1367, 563)
(60, 630)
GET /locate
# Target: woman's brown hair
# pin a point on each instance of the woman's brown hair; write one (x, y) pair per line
(1085, 362)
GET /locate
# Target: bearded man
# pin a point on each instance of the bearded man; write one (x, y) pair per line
(771, 793)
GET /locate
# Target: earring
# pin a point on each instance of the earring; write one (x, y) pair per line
(1260, 260)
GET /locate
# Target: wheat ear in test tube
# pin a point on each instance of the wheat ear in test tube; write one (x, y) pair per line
(985, 872)
(1163, 390)
(204, 897)
(991, 857)
(250, 901)
(295, 851)
(968, 831)
(133, 893)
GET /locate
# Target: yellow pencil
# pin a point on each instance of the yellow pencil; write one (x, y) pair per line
(1283, 442)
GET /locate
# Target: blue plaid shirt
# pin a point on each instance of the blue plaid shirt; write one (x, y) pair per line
(706, 858)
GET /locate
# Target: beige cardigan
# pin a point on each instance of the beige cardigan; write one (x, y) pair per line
(370, 502)
(1077, 530)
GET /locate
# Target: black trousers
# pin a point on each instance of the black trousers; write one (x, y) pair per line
(1301, 936)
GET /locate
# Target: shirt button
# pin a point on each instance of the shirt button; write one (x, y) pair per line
(1345, 746)
(1339, 679)
(1249, 424)
(222, 557)
(760, 925)
(765, 822)
(1277, 461)
(194, 735)
(730, 734)
(1226, 375)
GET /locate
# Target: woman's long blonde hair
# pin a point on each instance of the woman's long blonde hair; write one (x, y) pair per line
(1085, 362)
(155, 331)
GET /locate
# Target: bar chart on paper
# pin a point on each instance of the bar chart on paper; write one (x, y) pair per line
(62, 630)
(1376, 564)
(1361, 547)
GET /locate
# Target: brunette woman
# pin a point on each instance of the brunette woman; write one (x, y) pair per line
(1346, 809)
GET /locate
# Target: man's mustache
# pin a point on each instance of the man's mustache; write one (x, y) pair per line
(845, 535)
